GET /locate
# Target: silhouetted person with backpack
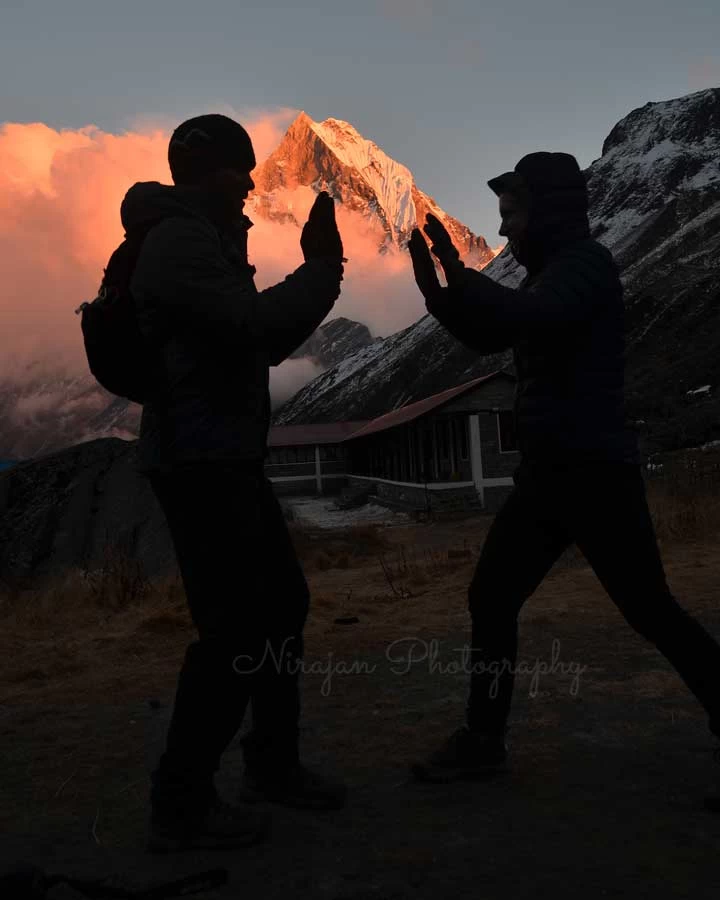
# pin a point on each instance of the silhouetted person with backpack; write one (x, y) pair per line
(202, 445)
(579, 479)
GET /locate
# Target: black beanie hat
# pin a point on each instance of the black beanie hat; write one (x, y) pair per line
(543, 173)
(206, 143)
(555, 187)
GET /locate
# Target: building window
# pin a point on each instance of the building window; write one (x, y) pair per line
(443, 441)
(428, 453)
(461, 437)
(507, 438)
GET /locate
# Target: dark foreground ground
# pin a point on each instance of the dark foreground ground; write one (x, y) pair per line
(610, 763)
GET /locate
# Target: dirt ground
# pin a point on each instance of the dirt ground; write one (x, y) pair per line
(610, 760)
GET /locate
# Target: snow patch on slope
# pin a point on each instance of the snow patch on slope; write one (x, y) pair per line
(654, 155)
(322, 513)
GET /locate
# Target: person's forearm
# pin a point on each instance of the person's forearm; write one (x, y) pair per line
(469, 329)
(473, 309)
(315, 297)
(565, 294)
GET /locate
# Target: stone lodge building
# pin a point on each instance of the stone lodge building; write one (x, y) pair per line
(455, 449)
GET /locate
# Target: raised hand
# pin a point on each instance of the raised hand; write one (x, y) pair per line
(443, 247)
(320, 236)
(424, 268)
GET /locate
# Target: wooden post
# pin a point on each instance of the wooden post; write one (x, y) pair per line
(318, 469)
(476, 457)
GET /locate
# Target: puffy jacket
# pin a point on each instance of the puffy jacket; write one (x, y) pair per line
(566, 327)
(197, 300)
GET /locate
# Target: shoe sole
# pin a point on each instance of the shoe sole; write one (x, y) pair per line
(436, 775)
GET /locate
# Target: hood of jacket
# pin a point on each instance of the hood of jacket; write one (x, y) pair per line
(150, 201)
(554, 187)
(147, 203)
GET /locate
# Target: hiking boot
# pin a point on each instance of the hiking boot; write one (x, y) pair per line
(220, 827)
(295, 786)
(464, 756)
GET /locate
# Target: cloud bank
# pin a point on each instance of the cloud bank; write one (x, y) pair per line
(60, 195)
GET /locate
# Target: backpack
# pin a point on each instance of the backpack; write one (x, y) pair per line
(122, 360)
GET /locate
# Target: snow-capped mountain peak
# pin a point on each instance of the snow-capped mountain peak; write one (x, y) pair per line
(333, 156)
(658, 154)
(391, 181)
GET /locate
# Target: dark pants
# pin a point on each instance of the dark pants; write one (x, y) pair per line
(248, 599)
(602, 508)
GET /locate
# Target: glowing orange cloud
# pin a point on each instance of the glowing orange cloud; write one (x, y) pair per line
(60, 195)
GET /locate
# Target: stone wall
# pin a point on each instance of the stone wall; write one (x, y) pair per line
(495, 497)
(289, 470)
(308, 486)
(416, 497)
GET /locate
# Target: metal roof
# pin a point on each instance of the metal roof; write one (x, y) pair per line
(323, 433)
(420, 407)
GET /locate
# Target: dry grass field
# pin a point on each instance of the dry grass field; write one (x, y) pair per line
(610, 754)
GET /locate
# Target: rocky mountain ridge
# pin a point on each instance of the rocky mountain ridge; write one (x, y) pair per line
(333, 156)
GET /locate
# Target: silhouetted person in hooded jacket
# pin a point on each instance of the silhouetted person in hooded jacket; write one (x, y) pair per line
(202, 444)
(579, 479)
